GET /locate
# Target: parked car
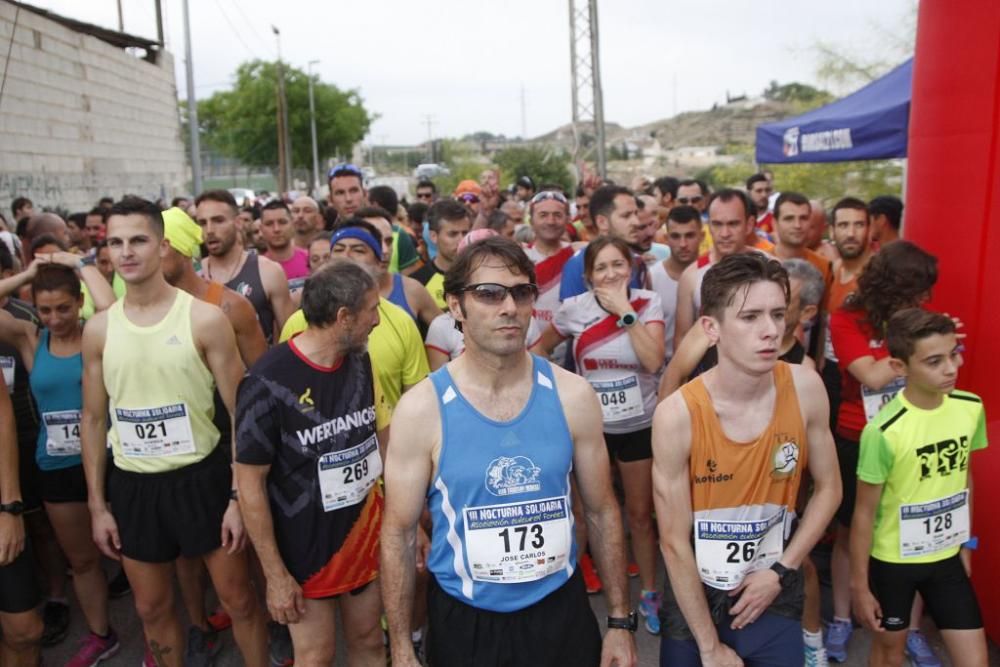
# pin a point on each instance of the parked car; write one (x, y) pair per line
(430, 170)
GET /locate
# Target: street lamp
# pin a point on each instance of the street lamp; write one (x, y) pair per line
(312, 122)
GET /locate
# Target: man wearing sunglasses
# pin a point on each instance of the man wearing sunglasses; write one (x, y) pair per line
(479, 444)
(347, 191)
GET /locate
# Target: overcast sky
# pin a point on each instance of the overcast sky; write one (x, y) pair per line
(464, 62)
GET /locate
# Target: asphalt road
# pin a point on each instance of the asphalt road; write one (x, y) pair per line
(124, 620)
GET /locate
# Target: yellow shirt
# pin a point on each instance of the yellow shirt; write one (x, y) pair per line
(160, 392)
(396, 348)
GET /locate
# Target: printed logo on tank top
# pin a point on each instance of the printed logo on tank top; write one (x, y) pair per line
(713, 476)
(784, 457)
(244, 289)
(318, 434)
(512, 475)
(306, 404)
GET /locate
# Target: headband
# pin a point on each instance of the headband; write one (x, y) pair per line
(361, 235)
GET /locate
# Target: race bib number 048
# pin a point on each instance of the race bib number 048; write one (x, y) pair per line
(727, 551)
(620, 399)
(160, 431)
(926, 528)
(346, 477)
(518, 542)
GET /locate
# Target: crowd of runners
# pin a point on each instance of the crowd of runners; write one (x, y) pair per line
(453, 419)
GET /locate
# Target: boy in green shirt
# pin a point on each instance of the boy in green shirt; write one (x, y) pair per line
(913, 508)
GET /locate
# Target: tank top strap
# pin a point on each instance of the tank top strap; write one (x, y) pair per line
(214, 293)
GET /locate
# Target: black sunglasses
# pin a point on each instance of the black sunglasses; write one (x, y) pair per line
(493, 294)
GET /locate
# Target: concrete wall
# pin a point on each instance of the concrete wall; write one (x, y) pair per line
(80, 118)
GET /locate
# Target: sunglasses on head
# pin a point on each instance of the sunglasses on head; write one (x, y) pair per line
(346, 169)
(493, 294)
(546, 195)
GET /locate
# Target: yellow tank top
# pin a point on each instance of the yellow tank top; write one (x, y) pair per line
(160, 391)
(743, 494)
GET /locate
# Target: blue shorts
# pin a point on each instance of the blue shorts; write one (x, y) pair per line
(770, 641)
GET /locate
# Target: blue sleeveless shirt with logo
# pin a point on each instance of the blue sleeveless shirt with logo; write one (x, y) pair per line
(503, 523)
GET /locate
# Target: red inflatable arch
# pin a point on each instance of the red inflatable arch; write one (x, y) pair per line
(953, 211)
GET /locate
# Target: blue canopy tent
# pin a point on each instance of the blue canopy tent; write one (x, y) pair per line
(869, 124)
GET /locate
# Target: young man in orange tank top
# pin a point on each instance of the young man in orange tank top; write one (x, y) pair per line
(729, 450)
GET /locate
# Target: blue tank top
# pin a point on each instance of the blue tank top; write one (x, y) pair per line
(398, 295)
(56, 386)
(503, 523)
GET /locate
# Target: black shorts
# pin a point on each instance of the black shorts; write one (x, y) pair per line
(847, 456)
(831, 380)
(946, 589)
(558, 630)
(19, 590)
(629, 447)
(66, 485)
(162, 516)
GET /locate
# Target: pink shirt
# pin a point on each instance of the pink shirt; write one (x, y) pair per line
(297, 266)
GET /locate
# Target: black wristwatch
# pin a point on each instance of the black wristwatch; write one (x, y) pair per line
(627, 320)
(16, 508)
(630, 622)
(781, 571)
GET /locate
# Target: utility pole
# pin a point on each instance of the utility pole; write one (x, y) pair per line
(121, 18)
(312, 122)
(585, 70)
(430, 122)
(524, 116)
(192, 106)
(284, 140)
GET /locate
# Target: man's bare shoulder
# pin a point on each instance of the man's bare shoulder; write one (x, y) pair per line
(417, 406)
(572, 387)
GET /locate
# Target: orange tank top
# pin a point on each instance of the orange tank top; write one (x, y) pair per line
(743, 494)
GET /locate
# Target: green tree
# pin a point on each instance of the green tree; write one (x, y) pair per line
(801, 96)
(243, 122)
(544, 166)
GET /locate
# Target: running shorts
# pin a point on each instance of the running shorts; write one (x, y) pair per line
(164, 515)
(558, 630)
(944, 585)
(629, 447)
(66, 485)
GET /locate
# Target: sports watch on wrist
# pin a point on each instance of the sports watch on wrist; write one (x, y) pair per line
(781, 571)
(630, 622)
(16, 508)
(627, 320)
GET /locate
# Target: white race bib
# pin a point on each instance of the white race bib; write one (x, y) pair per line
(518, 542)
(875, 399)
(926, 528)
(160, 431)
(727, 551)
(346, 477)
(620, 398)
(62, 432)
(7, 364)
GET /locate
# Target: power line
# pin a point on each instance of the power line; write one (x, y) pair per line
(261, 40)
(235, 31)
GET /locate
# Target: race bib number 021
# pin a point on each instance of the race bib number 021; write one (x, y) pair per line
(518, 542)
(876, 399)
(926, 528)
(727, 551)
(62, 432)
(346, 477)
(160, 431)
